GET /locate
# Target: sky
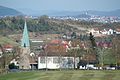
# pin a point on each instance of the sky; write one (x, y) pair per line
(61, 5)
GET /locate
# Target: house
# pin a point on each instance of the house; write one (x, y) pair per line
(33, 61)
(87, 61)
(104, 44)
(110, 32)
(89, 58)
(8, 48)
(15, 62)
(107, 31)
(52, 60)
(55, 57)
(104, 31)
(94, 31)
(117, 31)
(63, 43)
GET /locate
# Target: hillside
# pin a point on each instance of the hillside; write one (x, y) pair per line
(7, 40)
(5, 11)
(43, 24)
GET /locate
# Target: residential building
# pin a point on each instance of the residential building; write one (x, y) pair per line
(8, 48)
(57, 60)
(55, 56)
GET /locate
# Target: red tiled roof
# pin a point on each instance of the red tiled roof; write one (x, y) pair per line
(55, 41)
(55, 48)
(118, 30)
(104, 44)
(8, 46)
(96, 29)
(55, 54)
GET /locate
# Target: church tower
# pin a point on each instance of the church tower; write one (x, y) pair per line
(25, 50)
(25, 38)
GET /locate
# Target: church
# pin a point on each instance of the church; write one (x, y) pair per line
(25, 50)
(26, 60)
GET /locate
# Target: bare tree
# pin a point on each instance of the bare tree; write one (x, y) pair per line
(116, 50)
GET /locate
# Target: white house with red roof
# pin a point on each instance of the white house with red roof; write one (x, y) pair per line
(55, 56)
(8, 48)
(63, 43)
(107, 31)
(117, 31)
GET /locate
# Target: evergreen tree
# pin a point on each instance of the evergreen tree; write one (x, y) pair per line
(94, 47)
(73, 35)
(93, 43)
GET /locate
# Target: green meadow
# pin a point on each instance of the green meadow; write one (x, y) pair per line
(63, 75)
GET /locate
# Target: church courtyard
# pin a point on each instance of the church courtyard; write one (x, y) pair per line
(63, 75)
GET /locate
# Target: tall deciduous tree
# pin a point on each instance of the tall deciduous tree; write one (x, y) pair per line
(116, 48)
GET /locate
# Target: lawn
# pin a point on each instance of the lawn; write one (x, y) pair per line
(63, 75)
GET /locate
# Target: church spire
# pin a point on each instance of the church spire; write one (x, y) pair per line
(25, 37)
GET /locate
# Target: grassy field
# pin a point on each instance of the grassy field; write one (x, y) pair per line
(6, 40)
(63, 75)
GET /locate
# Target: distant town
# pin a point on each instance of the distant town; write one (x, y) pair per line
(102, 19)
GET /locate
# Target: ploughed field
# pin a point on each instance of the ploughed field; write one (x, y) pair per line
(63, 75)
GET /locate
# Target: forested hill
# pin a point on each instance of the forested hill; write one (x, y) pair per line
(43, 24)
(5, 11)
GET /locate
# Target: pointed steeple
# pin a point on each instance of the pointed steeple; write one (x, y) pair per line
(25, 38)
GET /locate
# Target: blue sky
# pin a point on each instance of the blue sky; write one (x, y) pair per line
(60, 5)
